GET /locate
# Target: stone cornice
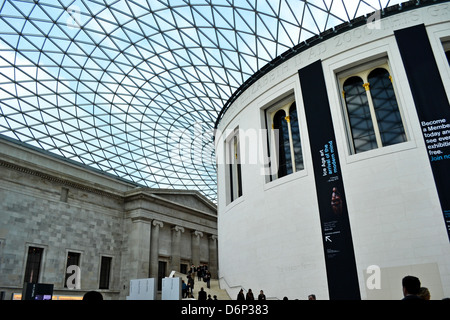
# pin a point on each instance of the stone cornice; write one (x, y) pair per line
(59, 180)
(144, 194)
(30, 162)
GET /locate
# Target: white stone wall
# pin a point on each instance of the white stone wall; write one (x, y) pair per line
(395, 215)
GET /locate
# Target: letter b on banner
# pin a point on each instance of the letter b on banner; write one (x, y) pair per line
(74, 280)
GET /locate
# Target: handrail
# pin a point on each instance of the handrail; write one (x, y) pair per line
(237, 286)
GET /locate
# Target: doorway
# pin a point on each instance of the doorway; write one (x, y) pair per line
(162, 267)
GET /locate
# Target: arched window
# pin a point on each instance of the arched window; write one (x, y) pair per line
(296, 142)
(284, 148)
(285, 140)
(359, 115)
(234, 167)
(389, 119)
(373, 115)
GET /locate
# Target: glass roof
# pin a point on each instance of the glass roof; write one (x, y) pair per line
(133, 88)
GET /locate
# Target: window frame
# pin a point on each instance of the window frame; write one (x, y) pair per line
(66, 265)
(41, 261)
(233, 167)
(100, 272)
(446, 47)
(363, 71)
(284, 104)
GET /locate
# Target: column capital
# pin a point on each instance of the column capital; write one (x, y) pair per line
(213, 237)
(178, 228)
(197, 233)
(158, 223)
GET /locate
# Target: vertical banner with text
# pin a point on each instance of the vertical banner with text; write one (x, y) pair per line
(432, 106)
(336, 234)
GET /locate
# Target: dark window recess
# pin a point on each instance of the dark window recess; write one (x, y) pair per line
(105, 272)
(73, 259)
(33, 266)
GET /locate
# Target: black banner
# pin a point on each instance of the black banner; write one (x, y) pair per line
(432, 106)
(336, 235)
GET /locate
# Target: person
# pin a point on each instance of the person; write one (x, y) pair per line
(190, 296)
(215, 297)
(184, 289)
(312, 297)
(424, 293)
(411, 288)
(199, 273)
(249, 295)
(240, 295)
(209, 297)
(207, 279)
(261, 295)
(190, 283)
(192, 270)
(202, 294)
(92, 296)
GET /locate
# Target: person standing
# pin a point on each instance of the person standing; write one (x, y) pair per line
(202, 294)
(411, 288)
(249, 295)
(192, 270)
(199, 273)
(261, 295)
(184, 289)
(190, 284)
(240, 296)
(424, 293)
(208, 279)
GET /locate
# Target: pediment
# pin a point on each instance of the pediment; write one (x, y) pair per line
(185, 198)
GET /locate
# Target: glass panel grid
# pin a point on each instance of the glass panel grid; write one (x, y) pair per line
(133, 88)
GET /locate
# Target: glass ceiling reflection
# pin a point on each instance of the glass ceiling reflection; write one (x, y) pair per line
(133, 88)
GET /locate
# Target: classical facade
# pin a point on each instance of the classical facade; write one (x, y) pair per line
(333, 163)
(56, 214)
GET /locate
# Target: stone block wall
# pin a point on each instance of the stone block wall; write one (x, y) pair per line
(61, 208)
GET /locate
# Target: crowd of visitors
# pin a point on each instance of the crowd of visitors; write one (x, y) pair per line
(412, 289)
(202, 274)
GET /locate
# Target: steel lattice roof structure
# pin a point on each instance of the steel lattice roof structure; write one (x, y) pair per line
(134, 88)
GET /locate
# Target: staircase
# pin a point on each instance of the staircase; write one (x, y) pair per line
(213, 290)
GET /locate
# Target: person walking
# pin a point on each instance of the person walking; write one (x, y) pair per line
(190, 284)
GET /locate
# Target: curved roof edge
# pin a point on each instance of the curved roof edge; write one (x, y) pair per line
(315, 40)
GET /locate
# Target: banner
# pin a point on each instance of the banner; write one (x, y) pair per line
(336, 234)
(432, 106)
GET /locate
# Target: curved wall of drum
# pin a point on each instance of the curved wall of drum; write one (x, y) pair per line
(271, 228)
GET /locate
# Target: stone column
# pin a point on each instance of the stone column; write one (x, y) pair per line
(154, 251)
(213, 261)
(139, 244)
(195, 247)
(176, 248)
